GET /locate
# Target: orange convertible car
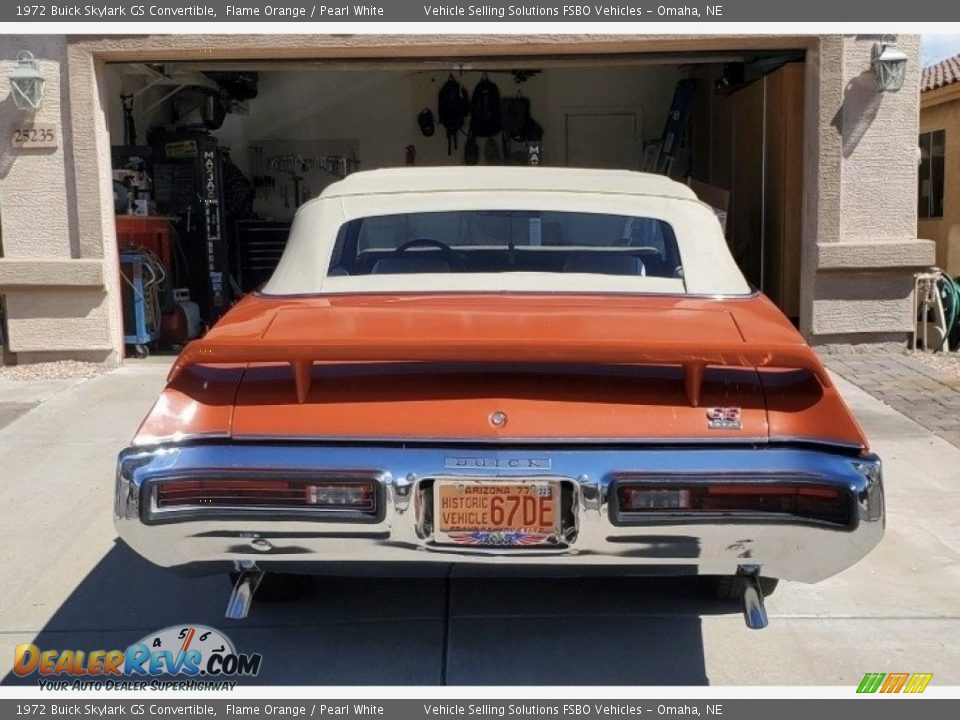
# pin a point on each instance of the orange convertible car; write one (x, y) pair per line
(503, 366)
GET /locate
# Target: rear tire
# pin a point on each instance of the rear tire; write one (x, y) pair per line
(279, 587)
(730, 587)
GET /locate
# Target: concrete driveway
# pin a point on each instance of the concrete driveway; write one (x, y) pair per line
(67, 583)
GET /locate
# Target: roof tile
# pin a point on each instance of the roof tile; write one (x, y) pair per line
(945, 72)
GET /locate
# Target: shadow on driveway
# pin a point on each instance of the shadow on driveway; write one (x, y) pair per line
(457, 629)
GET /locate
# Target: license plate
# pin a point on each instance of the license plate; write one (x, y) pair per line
(497, 513)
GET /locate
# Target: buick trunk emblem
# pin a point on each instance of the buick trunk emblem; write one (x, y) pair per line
(508, 463)
(724, 418)
(498, 418)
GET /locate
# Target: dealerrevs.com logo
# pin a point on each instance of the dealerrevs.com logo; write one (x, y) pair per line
(186, 657)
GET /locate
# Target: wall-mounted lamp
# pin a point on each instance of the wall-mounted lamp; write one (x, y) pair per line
(26, 82)
(889, 65)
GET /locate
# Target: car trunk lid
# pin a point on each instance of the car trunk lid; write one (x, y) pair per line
(515, 368)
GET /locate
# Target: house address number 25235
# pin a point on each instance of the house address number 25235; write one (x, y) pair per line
(34, 136)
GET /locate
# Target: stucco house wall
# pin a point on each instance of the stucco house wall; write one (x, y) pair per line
(860, 243)
(58, 271)
(58, 294)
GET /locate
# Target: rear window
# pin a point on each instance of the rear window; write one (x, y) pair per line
(501, 241)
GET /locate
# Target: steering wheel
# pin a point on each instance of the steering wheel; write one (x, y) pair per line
(452, 256)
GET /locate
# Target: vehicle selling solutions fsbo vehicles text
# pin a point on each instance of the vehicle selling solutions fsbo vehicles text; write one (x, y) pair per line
(608, 10)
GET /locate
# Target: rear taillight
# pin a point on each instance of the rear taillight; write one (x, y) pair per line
(267, 493)
(808, 501)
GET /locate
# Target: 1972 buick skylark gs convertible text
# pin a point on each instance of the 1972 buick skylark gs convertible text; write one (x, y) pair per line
(561, 368)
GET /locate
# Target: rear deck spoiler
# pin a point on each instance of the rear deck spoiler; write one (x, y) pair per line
(693, 356)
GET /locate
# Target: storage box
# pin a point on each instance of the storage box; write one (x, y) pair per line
(152, 234)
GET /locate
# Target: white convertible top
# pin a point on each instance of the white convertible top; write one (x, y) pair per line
(708, 267)
(466, 179)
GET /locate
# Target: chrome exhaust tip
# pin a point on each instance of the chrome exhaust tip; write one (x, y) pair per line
(241, 598)
(754, 612)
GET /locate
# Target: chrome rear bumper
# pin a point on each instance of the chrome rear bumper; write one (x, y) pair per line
(774, 545)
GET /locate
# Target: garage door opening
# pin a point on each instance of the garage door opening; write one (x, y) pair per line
(211, 160)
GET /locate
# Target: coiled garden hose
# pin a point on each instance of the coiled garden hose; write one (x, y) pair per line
(950, 295)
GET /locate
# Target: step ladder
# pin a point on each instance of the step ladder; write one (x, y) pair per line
(674, 131)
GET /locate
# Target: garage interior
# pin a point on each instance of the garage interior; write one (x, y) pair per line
(211, 160)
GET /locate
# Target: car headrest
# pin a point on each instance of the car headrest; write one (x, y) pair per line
(604, 263)
(412, 263)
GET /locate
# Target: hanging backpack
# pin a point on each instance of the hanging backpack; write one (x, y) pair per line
(514, 113)
(485, 109)
(453, 106)
(531, 131)
(518, 126)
